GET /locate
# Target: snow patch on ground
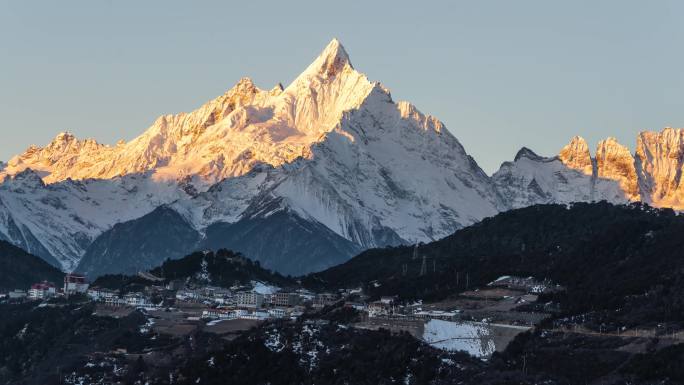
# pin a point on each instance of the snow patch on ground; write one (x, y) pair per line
(469, 337)
(263, 288)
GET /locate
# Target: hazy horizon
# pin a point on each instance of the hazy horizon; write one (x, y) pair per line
(500, 76)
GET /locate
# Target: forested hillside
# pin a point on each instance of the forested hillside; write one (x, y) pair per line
(223, 268)
(607, 257)
(19, 269)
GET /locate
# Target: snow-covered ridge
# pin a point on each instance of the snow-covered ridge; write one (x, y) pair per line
(652, 174)
(332, 147)
(60, 220)
(225, 137)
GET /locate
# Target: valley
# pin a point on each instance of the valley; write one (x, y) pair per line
(475, 307)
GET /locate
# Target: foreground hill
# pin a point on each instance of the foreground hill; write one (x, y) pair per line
(622, 258)
(221, 268)
(146, 242)
(19, 269)
(619, 268)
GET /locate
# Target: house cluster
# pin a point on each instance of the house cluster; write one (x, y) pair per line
(258, 305)
(112, 298)
(383, 307)
(390, 307)
(151, 297)
(73, 284)
(255, 301)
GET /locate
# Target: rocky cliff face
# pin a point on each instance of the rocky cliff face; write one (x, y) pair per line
(575, 155)
(615, 162)
(652, 174)
(660, 160)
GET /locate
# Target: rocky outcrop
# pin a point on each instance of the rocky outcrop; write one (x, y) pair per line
(576, 156)
(652, 175)
(660, 159)
(615, 162)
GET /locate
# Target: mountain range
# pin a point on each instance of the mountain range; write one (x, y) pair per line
(299, 178)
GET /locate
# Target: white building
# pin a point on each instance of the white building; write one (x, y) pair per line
(436, 314)
(324, 299)
(100, 294)
(249, 299)
(74, 284)
(284, 299)
(17, 294)
(187, 295)
(255, 315)
(379, 308)
(218, 314)
(277, 313)
(136, 300)
(43, 290)
(115, 301)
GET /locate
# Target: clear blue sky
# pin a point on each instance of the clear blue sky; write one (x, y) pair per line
(499, 74)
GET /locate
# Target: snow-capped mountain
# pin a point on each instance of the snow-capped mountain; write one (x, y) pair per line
(59, 221)
(332, 151)
(652, 174)
(299, 178)
(571, 176)
(371, 166)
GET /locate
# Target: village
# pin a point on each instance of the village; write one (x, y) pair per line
(479, 321)
(257, 301)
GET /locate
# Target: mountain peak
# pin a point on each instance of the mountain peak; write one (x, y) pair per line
(576, 155)
(578, 141)
(615, 162)
(331, 61)
(611, 145)
(244, 86)
(65, 136)
(526, 153)
(611, 140)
